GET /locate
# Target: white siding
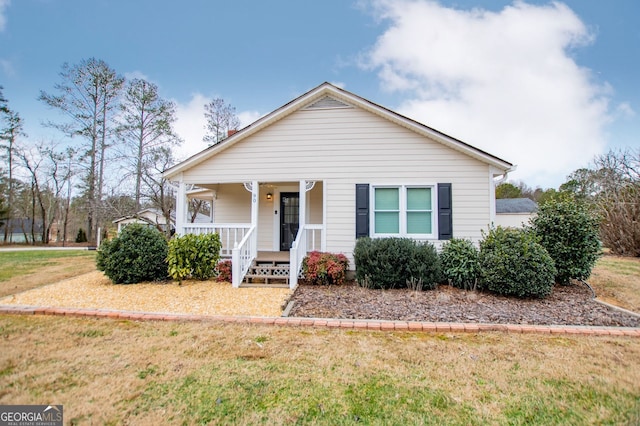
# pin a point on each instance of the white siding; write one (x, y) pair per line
(233, 204)
(346, 146)
(513, 220)
(265, 220)
(314, 204)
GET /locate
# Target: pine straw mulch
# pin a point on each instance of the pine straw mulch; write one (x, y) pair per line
(567, 305)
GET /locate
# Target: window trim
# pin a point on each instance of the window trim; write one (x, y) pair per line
(403, 210)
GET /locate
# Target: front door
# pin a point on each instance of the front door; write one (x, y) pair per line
(289, 219)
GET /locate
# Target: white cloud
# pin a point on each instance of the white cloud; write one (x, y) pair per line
(625, 110)
(3, 18)
(7, 67)
(248, 117)
(502, 81)
(136, 74)
(191, 123)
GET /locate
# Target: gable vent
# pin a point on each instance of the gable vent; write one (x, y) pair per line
(327, 103)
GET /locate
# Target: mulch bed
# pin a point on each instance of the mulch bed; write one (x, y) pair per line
(567, 305)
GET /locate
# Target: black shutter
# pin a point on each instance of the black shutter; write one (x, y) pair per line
(445, 218)
(362, 210)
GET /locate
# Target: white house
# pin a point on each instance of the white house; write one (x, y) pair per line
(329, 167)
(151, 217)
(515, 212)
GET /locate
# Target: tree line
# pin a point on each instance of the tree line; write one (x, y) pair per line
(118, 138)
(609, 187)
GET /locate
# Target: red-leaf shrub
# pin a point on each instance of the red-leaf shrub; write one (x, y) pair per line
(224, 271)
(325, 268)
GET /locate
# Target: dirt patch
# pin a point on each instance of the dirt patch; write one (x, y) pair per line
(567, 305)
(95, 291)
(58, 269)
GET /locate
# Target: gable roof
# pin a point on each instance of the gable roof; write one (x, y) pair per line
(516, 205)
(328, 95)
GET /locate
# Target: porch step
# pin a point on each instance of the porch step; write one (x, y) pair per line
(267, 273)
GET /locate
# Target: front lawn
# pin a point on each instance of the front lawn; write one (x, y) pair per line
(122, 372)
(617, 280)
(24, 270)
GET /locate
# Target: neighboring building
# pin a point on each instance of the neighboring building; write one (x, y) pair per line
(150, 217)
(515, 212)
(329, 167)
(155, 218)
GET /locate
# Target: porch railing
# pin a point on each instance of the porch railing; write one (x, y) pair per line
(230, 233)
(309, 238)
(243, 255)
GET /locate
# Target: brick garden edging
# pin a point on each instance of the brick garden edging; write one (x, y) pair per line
(356, 324)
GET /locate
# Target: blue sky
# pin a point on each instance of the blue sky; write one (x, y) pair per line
(544, 85)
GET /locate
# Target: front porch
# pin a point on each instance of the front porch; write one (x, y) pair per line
(266, 228)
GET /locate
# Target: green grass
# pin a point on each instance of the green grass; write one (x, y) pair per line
(244, 394)
(622, 266)
(20, 263)
(259, 392)
(90, 333)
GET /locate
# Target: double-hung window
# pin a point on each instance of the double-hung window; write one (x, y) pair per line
(403, 210)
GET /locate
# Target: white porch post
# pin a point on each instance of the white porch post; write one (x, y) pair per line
(246, 251)
(255, 201)
(303, 205)
(181, 207)
(299, 247)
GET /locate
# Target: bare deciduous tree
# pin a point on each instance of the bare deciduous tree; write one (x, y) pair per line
(159, 190)
(48, 174)
(612, 188)
(88, 96)
(221, 118)
(618, 200)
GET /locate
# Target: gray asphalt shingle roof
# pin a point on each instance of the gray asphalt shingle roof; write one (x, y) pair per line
(516, 205)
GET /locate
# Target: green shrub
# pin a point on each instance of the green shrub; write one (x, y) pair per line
(570, 234)
(137, 254)
(194, 256)
(325, 268)
(225, 271)
(459, 260)
(513, 263)
(81, 237)
(424, 270)
(387, 263)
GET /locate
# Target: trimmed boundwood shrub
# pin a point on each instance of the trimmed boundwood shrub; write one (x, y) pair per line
(513, 263)
(194, 256)
(386, 263)
(137, 254)
(459, 260)
(325, 268)
(570, 234)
